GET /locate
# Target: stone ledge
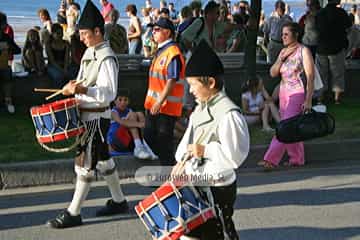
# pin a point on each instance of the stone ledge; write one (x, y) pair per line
(61, 171)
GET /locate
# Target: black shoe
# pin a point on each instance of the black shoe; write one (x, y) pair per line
(112, 208)
(65, 220)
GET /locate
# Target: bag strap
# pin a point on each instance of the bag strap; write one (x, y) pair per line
(303, 79)
(201, 27)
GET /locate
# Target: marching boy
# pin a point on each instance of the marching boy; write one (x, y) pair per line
(216, 141)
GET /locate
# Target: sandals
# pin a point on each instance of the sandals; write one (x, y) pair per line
(288, 164)
(266, 165)
(261, 163)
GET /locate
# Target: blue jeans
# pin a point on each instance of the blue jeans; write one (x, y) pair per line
(135, 46)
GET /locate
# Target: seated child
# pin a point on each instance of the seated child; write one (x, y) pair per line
(257, 105)
(33, 59)
(124, 134)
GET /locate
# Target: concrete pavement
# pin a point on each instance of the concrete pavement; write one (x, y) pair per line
(309, 203)
(61, 171)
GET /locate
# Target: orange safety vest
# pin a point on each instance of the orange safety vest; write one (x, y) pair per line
(157, 81)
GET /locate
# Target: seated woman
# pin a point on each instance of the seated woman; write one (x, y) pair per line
(58, 52)
(124, 134)
(257, 105)
(236, 42)
(32, 58)
(77, 49)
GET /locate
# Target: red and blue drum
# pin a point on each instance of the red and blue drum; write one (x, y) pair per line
(57, 121)
(172, 211)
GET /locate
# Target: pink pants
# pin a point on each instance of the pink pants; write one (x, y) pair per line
(290, 105)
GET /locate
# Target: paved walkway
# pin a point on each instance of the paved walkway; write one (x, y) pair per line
(304, 204)
(61, 171)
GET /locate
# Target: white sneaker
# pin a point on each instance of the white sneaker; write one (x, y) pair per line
(320, 108)
(11, 108)
(153, 155)
(141, 153)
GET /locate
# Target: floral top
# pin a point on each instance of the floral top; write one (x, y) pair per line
(292, 71)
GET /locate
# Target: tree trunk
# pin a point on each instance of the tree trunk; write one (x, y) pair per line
(253, 27)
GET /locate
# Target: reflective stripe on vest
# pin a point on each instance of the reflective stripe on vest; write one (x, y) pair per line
(158, 79)
(156, 95)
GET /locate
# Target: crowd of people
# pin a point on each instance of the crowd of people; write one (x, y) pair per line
(222, 24)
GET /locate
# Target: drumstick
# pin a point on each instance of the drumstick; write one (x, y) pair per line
(60, 91)
(186, 157)
(46, 90)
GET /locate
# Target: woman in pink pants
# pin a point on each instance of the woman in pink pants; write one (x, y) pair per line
(295, 95)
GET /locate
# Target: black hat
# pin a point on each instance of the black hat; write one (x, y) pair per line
(165, 23)
(91, 17)
(204, 62)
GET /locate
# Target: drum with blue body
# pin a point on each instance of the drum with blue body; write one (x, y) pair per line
(172, 211)
(57, 121)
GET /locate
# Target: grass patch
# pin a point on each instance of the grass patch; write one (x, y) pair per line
(18, 142)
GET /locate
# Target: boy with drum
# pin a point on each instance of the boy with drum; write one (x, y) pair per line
(215, 143)
(95, 88)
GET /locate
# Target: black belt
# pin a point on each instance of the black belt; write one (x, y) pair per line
(99, 109)
(277, 41)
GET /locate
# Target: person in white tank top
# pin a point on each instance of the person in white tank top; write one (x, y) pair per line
(257, 105)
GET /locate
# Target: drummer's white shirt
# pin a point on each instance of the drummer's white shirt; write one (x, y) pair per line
(102, 93)
(222, 158)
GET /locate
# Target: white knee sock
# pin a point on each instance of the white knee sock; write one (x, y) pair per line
(81, 191)
(113, 183)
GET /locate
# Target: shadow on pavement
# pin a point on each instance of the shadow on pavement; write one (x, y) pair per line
(294, 174)
(60, 196)
(38, 218)
(296, 197)
(299, 233)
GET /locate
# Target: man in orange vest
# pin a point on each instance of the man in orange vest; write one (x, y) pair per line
(164, 98)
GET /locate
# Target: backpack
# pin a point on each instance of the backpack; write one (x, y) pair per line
(118, 39)
(178, 33)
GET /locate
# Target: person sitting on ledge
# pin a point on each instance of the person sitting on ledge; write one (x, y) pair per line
(33, 59)
(124, 134)
(258, 106)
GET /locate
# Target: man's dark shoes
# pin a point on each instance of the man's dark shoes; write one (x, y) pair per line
(112, 208)
(65, 220)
